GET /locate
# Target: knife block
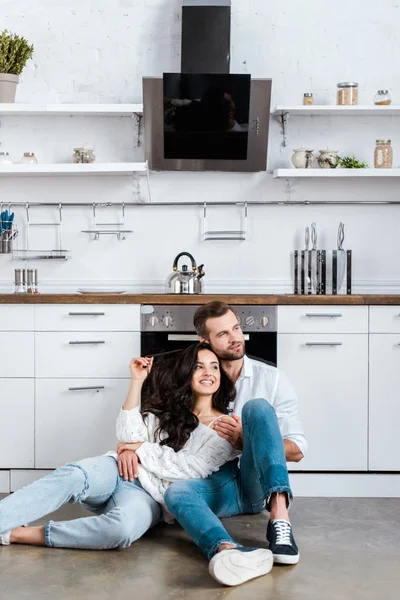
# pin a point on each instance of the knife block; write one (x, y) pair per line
(315, 272)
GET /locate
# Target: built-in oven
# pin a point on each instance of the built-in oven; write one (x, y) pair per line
(170, 327)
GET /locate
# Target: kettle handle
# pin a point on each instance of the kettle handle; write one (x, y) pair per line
(175, 265)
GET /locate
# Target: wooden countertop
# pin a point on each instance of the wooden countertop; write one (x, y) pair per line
(272, 299)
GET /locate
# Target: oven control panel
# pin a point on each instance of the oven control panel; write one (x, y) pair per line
(180, 318)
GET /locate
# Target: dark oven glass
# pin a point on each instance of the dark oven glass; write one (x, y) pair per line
(259, 345)
(206, 116)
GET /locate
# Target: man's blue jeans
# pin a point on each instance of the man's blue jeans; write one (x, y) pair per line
(197, 504)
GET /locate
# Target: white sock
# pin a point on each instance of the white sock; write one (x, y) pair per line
(5, 539)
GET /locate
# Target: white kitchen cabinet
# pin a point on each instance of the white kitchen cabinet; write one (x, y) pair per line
(4, 482)
(384, 319)
(71, 424)
(87, 317)
(330, 375)
(384, 402)
(17, 408)
(16, 354)
(323, 319)
(85, 354)
(16, 317)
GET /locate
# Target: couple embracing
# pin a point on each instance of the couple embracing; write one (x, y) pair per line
(183, 454)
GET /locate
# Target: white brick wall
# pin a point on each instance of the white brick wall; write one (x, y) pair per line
(98, 51)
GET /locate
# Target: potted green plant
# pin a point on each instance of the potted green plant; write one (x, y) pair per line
(14, 54)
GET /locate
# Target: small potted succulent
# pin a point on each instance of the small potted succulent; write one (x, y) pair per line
(14, 54)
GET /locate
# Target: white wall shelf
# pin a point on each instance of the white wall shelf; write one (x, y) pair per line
(71, 169)
(283, 112)
(337, 111)
(335, 173)
(100, 110)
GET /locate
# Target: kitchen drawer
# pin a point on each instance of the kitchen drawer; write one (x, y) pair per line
(16, 354)
(87, 317)
(384, 319)
(22, 477)
(323, 319)
(85, 354)
(4, 482)
(16, 317)
(74, 424)
(17, 408)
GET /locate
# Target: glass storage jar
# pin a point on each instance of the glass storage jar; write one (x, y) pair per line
(84, 154)
(5, 158)
(29, 158)
(382, 98)
(347, 93)
(308, 99)
(383, 155)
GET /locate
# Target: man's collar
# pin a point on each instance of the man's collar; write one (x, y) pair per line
(247, 369)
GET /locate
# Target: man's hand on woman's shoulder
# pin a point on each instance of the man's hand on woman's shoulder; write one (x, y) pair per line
(230, 428)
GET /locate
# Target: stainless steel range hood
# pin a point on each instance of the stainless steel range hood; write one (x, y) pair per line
(206, 36)
(205, 118)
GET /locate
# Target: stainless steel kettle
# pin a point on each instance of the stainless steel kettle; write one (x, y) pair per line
(185, 281)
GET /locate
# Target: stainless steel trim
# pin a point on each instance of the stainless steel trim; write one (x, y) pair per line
(81, 343)
(323, 343)
(206, 2)
(182, 337)
(89, 314)
(174, 337)
(324, 315)
(87, 387)
(228, 203)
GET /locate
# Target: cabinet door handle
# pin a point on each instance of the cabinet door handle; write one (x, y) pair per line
(81, 343)
(324, 344)
(87, 387)
(86, 314)
(324, 315)
(188, 337)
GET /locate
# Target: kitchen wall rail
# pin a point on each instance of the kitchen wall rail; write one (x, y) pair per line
(201, 204)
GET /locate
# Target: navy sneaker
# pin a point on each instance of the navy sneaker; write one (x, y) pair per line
(237, 565)
(281, 542)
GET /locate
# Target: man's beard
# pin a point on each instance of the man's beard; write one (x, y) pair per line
(230, 355)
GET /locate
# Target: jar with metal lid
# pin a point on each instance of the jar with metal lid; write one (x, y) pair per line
(5, 158)
(32, 281)
(84, 154)
(383, 155)
(308, 99)
(29, 158)
(347, 93)
(382, 98)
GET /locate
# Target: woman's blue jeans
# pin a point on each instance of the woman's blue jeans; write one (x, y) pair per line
(234, 490)
(124, 510)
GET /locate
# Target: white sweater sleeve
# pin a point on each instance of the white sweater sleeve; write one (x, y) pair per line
(191, 463)
(131, 427)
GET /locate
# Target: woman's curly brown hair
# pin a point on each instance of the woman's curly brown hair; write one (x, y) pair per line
(168, 394)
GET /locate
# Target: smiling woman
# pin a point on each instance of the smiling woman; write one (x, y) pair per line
(191, 389)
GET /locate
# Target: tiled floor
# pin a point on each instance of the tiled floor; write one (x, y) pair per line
(350, 550)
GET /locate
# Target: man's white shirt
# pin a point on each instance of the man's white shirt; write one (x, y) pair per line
(260, 380)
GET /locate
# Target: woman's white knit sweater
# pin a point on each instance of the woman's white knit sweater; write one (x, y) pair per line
(204, 452)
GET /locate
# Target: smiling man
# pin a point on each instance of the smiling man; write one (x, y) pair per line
(265, 427)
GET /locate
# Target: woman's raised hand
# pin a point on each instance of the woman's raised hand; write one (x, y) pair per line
(140, 368)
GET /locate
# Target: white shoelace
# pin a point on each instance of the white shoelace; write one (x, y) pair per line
(283, 530)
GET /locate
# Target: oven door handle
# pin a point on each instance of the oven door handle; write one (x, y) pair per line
(189, 337)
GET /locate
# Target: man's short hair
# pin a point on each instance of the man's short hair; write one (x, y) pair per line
(210, 310)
